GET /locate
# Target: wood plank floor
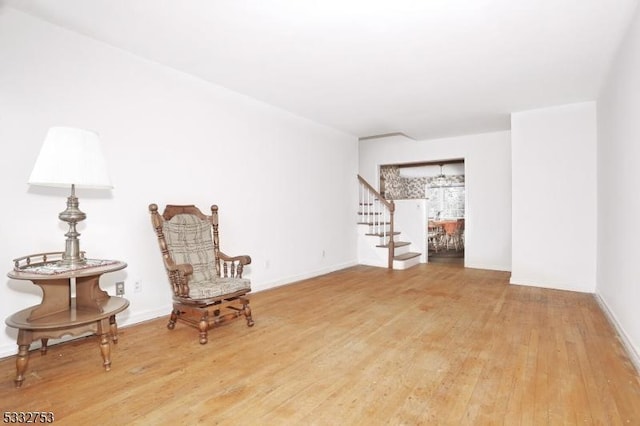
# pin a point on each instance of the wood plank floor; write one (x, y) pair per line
(435, 344)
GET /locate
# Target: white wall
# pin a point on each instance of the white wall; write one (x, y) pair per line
(286, 187)
(488, 186)
(410, 217)
(554, 206)
(618, 284)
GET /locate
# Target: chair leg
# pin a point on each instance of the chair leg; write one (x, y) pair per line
(203, 326)
(172, 319)
(247, 312)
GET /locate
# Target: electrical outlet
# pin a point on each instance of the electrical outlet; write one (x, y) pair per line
(120, 288)
(137, 286)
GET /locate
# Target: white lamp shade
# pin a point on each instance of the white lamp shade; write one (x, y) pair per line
(71, 156)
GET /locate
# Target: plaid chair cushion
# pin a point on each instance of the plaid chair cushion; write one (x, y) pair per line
(218, 287)
(190, 241)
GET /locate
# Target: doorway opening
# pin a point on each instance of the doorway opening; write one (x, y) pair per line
(442, 184)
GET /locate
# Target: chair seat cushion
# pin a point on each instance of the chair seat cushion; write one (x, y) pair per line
(218, 287)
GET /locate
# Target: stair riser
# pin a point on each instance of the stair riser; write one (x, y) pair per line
(397, 250)
(378, 229)
(385, 240)
(406, 264)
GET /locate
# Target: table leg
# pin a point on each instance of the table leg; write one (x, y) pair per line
(21, 364)
(43, 347)
(22, 359)
(114, 328)
(105, 347)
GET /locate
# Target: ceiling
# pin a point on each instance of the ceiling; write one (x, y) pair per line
(422, 68)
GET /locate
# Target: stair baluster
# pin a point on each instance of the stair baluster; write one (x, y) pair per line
(371, 202)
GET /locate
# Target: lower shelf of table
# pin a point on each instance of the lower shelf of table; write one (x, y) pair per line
(68, 318)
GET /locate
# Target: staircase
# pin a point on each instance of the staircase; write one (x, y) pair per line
(379, 243)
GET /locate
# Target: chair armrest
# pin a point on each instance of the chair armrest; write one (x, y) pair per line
(232, 266)
(244, 259)
(179, 276)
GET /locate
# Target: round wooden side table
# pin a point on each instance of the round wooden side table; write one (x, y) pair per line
(59, 313)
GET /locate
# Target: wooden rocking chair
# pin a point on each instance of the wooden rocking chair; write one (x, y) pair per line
(204, 280)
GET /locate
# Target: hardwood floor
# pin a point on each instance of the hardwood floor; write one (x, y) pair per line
(435, 344)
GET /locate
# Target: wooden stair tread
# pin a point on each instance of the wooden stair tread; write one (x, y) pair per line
(406, 256)
(397, 244)
(380, 234)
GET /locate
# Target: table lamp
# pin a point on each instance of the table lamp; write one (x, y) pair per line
(71, 157)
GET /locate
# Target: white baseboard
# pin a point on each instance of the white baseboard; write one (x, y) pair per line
(295, 278)
(480, 265)
(373, 262)
(541, 283)
(138, 317)
(626, 342)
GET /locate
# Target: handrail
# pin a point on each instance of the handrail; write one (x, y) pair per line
(369, 193)
(389, 203)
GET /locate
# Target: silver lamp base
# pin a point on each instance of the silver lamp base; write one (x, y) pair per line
(72, 255)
